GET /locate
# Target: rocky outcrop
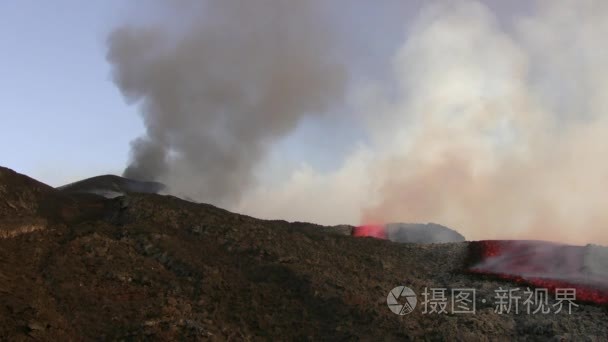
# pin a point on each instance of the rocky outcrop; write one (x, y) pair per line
(111, 186)
(21, 196)
(422, 233)
(10, 228)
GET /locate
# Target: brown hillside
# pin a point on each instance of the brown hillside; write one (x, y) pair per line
(151, 267)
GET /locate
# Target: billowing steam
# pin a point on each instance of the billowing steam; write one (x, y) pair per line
(496, 127)
(498, 131)
(506, 130)
(218, 82)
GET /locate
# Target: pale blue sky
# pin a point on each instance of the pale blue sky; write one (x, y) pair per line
(62, 118)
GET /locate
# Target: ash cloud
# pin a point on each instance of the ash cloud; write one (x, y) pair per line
(219, 82)
(493, 125)
(497, 128)
(506, 126)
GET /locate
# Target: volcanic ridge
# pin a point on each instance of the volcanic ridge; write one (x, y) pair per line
(111, 259)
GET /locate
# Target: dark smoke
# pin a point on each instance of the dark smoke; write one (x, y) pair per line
(218, 82)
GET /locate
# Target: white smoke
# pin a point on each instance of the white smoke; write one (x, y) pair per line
(498, 131)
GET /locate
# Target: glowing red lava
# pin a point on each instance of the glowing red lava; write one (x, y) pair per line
(545, 265)
(371, 230)
(538, 264)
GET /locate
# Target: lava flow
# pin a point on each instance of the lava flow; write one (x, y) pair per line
(545, 265)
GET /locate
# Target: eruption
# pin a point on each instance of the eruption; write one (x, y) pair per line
(545, 265)
(409, 232)
(490, 125)
(218, 82)
(502, 128)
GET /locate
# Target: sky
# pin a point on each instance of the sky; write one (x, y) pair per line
(63, 118)
(487, 116)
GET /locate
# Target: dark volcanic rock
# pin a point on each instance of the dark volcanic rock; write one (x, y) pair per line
(20, 195)
(421, 233)
(112, 186)
(24, 199)
(161, 268)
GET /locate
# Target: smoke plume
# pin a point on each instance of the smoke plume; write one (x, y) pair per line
(507, 128)
(493, 125)
(498, 130)
(218, 83)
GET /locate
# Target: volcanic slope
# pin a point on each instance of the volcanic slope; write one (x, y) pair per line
(146, 266)
(111, 186)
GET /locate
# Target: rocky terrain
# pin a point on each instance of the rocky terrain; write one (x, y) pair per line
(111, 186)
(79, 266)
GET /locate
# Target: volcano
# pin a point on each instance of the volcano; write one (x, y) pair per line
(409, 232)
(76, 266)
(110, 186)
